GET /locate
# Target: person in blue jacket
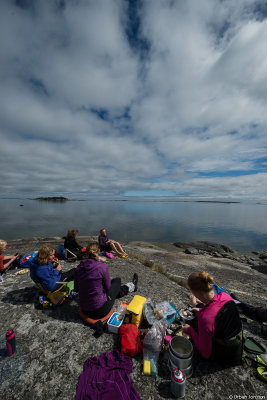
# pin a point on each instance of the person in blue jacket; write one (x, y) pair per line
(45, 269)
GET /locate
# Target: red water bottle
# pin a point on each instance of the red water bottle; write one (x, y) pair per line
(11, 342)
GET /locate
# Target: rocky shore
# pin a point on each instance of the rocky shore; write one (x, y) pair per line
(53, 344)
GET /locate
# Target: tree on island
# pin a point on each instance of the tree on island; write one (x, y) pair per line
(54, 198)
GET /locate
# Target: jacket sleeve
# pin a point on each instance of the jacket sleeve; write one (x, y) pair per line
(106, 278)
(202, 340)
(49, 277)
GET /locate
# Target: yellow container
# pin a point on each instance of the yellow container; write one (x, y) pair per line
(147, 367)
(134, 312)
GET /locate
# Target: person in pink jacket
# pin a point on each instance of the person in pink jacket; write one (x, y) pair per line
(218, 334)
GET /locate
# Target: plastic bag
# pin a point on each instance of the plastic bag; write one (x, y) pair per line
(152, 345)
(154, 338)
(149, 313)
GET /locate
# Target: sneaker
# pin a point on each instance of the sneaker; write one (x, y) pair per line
(1, 279)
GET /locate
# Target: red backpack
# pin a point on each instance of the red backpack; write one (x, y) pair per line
(130, 340)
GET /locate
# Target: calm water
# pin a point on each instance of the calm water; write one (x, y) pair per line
(240, 226)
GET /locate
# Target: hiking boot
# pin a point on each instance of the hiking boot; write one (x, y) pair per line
(234, 297)
(135, 281)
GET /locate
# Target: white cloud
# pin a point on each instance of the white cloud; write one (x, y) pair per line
(195, 104)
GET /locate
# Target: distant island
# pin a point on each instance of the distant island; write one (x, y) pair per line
(217, 201)
(56, 198)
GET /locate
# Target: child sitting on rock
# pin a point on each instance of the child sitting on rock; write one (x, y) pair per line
(43, 270)
(6, 261)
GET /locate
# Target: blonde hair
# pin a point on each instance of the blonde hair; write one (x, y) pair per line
(3, 244)
(44, 254)
(200, 282)
(92, 250)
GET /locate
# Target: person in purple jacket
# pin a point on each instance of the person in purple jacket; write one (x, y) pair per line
(97, 292)
(106, 244)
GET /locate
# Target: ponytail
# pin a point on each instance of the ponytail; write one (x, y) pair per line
(200, 282)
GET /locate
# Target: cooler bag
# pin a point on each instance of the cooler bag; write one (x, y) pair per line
(134, 311)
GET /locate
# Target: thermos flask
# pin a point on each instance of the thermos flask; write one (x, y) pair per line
(178, 381)
(11, 342)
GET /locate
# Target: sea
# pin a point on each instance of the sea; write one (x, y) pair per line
(241, 226)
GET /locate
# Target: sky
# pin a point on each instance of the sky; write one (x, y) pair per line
(133, 98)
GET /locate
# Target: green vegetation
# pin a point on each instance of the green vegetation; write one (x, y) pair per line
(160, 269)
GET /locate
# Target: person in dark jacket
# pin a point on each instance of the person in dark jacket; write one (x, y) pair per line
(258, 314)
(219, 333)
(72, 245)
(97, 292)
(46, 270)
(106, 244)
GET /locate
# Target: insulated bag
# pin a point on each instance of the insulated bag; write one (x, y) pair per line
(134, 311)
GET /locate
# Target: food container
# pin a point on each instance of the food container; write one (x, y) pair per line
(114, 322)
(186, 315)
(181, 352)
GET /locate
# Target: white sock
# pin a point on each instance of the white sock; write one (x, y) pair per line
(131, 286)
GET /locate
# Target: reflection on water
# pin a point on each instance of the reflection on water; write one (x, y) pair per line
(240, 226)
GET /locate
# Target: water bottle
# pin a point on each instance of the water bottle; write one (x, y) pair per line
(11, 342)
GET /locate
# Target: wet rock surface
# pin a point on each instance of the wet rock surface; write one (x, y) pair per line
(53, 344)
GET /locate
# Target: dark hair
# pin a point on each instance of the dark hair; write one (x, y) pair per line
(72, 233)
(200, 282)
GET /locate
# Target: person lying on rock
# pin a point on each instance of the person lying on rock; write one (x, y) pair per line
(258, 314)
(97, 293)
(72, 245)
(218, 334)
(44, 271)
(6, 261)
(108, 245)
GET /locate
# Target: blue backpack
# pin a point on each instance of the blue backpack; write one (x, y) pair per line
(26, 260)
(61, 251)
(218, 289)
